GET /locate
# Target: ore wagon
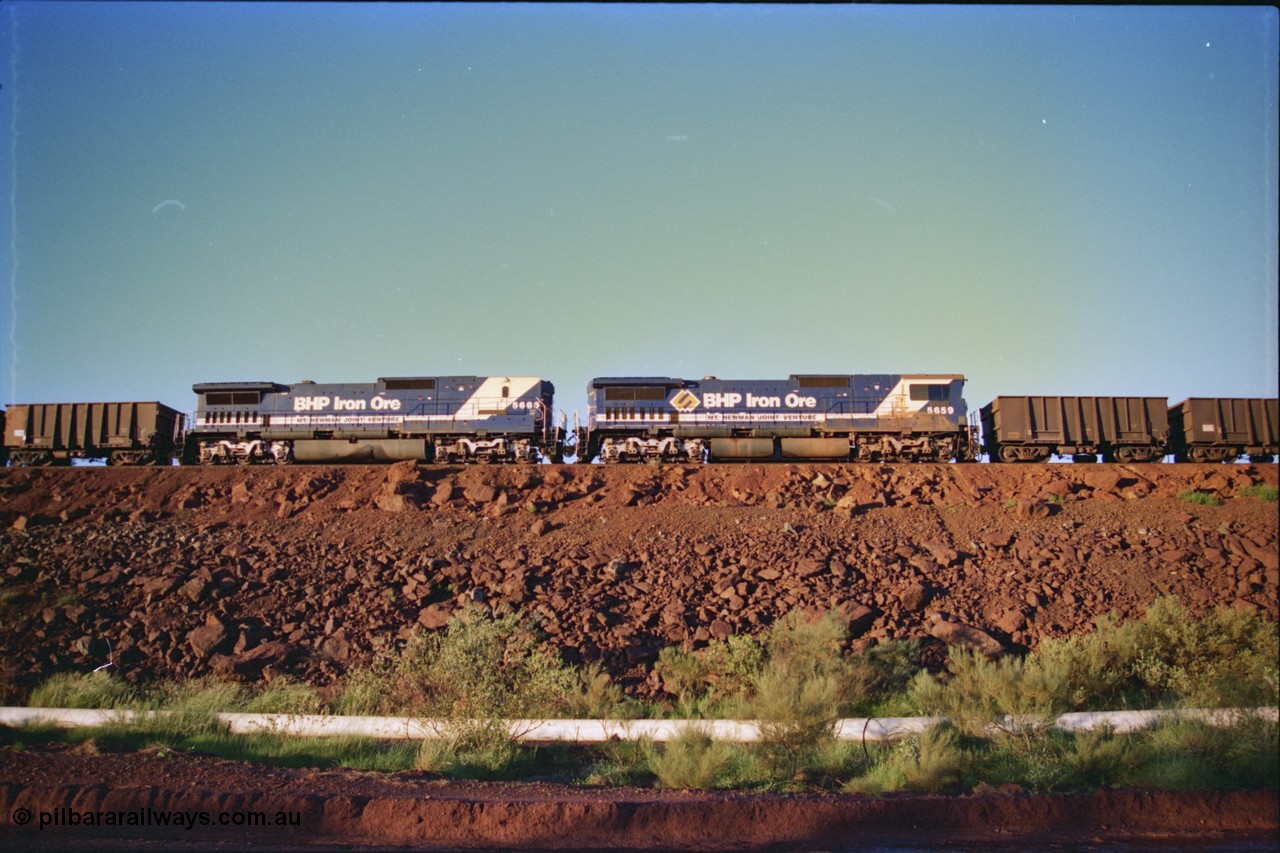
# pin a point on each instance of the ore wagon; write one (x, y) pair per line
(1118, 429)
(1216, 429)
(128, 433)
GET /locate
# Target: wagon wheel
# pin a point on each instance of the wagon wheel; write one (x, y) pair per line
(1009, 453)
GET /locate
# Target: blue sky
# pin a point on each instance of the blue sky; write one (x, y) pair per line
(1057, 200)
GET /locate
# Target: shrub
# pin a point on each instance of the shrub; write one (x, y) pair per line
(711, 682)
(801, 690)
(1193, 496)
(480, 671)
(683, 676)
(691, 760)
(485, 666)
(1229, 657)
(1262, 492)
(932, 761)
(938, 762)
(1100, 759)
(480, 749)
(732, 665)
(981, 693)
(622, 762)
(596, 696)
(879, 674)
(1190, 754)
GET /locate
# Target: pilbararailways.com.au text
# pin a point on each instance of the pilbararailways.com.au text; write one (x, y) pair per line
(188, 819)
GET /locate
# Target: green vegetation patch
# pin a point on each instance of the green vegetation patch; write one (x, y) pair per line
(797, 679)
(1261, 491)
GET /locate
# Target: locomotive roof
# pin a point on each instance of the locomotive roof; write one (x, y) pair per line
(602, 381)
(636, 380)
(206, 387)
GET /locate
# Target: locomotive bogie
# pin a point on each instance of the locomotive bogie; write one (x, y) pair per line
(485, 449)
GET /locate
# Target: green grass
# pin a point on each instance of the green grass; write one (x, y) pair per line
(99, 690)
(1194, 496)
(1262, 492)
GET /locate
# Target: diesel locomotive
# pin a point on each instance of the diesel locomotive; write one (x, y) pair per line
(425, 418)
(860, 417)
(510, 419)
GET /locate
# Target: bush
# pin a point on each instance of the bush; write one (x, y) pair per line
(479, 749)
(691, 760)
(1226, 659)
(980, 693)
(1230, 657)
(480, 671)
(1100, 759)
(621, 762)
(879, 675)
(595, 696)
(1192, 755)
(1261, 491)
(1193, 496)
(801, 690)
(485, 666)
(713, 681)
(933, 761)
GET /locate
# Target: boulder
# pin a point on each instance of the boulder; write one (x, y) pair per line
(207, 639)
(434, 617)
(914, 597)
(966, 636)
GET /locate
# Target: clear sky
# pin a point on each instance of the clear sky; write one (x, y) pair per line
(1049, 200)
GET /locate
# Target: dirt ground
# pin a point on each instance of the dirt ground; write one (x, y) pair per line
(308, 571)
(347, 810)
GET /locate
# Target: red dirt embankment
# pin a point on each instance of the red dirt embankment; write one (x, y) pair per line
(255, 572)
(344, 810)
(305, 571)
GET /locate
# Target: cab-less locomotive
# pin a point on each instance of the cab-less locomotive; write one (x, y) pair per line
(509, 419)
